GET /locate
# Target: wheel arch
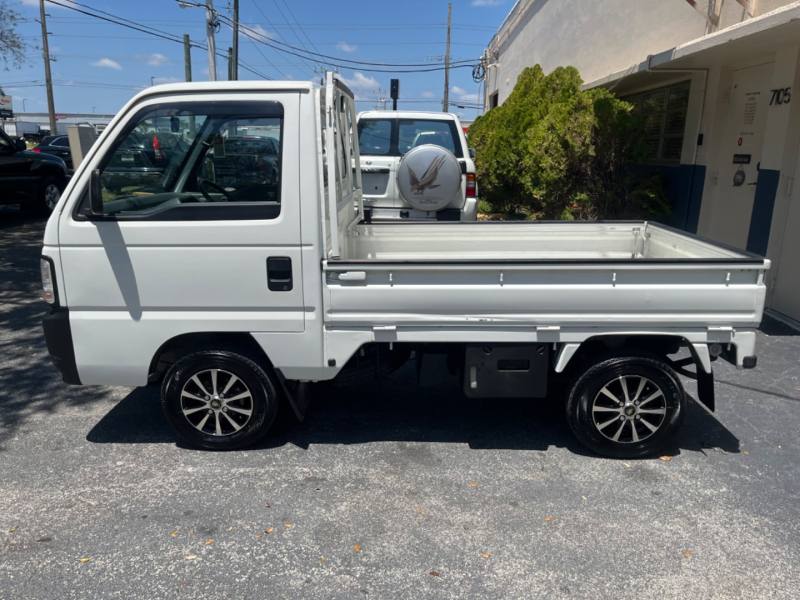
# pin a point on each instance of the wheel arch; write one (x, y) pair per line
(571, 356)
(174, 348)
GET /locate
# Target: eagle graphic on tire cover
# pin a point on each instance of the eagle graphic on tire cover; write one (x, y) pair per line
(419, 185)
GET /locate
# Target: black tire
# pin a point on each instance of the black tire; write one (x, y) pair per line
(219, 431)
(46, 198)
(591, 412)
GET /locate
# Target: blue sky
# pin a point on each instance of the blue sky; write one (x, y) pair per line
(101, 65)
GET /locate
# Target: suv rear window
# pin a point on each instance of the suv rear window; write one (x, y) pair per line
(418, 132)
(393, 137)
(375, 136)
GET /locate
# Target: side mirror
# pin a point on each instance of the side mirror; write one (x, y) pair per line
(472, 153)
(20, 145)
(95, 193)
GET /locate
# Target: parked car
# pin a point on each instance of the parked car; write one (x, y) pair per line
(142, 159)
(56, 145)
(235, 294)
(30, 178)
(386, 139)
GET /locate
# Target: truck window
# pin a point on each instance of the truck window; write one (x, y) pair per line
(412, 133)
(185, 155)
(375, 136)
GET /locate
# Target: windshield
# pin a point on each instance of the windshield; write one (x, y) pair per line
(193, 153)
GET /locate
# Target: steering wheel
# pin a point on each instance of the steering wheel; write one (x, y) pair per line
(215, 186)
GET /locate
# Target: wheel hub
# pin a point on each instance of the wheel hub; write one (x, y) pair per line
(629, 409)
(216, 402)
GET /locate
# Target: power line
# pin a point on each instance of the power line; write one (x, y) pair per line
(263, 14)
(337, 62)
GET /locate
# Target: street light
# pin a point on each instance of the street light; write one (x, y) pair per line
(211, 27)
(23, 104)
(152, 81)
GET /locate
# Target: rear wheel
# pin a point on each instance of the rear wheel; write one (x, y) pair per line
(48, 196)
(626, 406)
(219, 399)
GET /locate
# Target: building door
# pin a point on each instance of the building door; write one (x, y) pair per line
(786, 298)
(741, 155)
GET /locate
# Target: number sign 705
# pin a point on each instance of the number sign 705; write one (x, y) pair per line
(780, 96)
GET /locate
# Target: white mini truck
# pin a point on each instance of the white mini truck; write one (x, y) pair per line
(235, 267)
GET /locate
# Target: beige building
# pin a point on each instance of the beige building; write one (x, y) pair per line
(714, 80)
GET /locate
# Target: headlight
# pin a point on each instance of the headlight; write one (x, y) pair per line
(48, 281)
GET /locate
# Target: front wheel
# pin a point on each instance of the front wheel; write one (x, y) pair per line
(626, 406)
(219, 399)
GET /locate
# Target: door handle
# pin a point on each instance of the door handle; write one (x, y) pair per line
(279, 274)
(353, 276)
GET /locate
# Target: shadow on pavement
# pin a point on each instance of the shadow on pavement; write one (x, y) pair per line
(397, 410)
(29, 383)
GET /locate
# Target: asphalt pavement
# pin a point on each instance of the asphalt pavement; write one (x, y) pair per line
(384, 491)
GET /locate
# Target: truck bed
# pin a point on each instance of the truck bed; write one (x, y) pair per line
(596, 274)
(515, 241)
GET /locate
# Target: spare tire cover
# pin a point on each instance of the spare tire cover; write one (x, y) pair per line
(429, 177)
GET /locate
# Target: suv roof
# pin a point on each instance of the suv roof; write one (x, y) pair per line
(407, 114)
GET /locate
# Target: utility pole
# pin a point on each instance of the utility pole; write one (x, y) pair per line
(446, 101)
(235, 40)
(187, 56)
(211, 26)
(51, 104)
(230, 64)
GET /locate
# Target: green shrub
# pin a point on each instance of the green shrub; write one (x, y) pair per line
(553, 151)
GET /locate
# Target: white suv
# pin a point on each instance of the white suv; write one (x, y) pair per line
(384, 139)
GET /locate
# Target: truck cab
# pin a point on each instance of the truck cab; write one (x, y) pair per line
(385, 137)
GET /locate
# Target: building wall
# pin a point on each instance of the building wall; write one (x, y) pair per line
(598, 37)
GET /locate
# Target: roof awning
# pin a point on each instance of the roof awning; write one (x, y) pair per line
(750, 40)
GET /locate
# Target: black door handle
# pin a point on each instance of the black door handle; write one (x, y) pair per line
(279, 273)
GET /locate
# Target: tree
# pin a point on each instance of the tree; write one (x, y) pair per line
(554, 151)
(12, 46)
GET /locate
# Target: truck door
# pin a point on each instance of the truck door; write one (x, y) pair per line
(200, 235)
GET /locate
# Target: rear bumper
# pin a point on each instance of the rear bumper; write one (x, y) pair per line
(468, 212)
(58, 336)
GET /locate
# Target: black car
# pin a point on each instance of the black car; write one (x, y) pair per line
(56, 145)
(27, 177)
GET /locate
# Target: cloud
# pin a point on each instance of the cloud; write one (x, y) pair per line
(345, 47)
(35, 3)
(166, 80)
(107, 62)
(255, 32)
(487, 2)
(156, 59)
(361, 83)
(463, 95)
(428, 95)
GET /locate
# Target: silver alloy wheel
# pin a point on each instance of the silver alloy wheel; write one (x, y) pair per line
(51, 196)
(629, 409)
(216, 402)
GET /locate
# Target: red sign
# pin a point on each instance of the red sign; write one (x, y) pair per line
(61, 117)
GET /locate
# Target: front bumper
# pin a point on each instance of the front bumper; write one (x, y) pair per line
(58, 336)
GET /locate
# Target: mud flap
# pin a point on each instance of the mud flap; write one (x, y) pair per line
(297, 393)
(705, 388)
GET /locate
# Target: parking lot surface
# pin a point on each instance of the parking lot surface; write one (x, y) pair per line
(384, 491)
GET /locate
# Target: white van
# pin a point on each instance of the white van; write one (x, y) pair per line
(236, 265)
